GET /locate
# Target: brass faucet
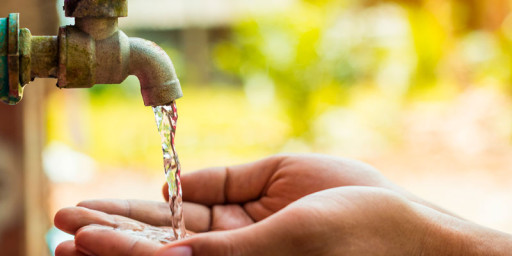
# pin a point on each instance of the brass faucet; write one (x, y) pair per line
(93, 51)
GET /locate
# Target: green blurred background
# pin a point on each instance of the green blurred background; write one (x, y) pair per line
(420, 89)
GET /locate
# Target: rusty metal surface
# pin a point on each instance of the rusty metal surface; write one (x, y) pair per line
(4, 73)
(44, 53)
(16, 59)
(79, 60)
(24, 56)
(96, 8)
(159, 83)
(13, 61)
(113, 56)
(98, 28)
(116, 56)
(94, 51)
(13, 31)
(62, 56)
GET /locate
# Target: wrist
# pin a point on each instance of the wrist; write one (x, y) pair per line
(478, 240)
(448, 235)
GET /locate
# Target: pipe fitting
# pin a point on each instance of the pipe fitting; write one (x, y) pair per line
(158, 81)
(96, 8)
(93, 51)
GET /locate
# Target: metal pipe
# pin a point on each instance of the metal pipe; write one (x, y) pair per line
(44, 53)
(159, 84)
(98, 28)
(93, 51)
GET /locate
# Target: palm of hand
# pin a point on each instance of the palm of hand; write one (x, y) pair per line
(241, 195)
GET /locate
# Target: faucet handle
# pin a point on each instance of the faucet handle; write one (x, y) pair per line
(96, 8)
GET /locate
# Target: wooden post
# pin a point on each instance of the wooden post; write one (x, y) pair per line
(23, 186)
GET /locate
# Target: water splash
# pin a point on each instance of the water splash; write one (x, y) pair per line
(166, 118)
(151, 233)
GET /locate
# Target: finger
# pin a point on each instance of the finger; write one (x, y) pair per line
(236, 184)
(285, 233)
(97, 240)
(73, 218)
(197, 217)
(153, 213)
(67, 248)
(165, 192)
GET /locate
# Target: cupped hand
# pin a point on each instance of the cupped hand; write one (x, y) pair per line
(246, 199)
(240, 195)
(350, 220)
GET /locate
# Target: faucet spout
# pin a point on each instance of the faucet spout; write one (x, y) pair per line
(159, 84)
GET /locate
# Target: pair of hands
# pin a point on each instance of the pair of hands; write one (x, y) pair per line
(281, 205)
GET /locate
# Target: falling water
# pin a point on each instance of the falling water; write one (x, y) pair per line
(152, 233)
(166, 117)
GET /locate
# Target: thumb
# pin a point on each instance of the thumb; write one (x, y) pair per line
(268, 237)
(213, 243)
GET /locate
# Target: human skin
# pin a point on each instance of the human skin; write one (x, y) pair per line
(283, 205)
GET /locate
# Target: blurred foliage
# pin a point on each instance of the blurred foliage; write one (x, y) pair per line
(114, 127)
(327, 76)
(316, 53)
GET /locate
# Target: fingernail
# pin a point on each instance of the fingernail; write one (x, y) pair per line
(176, 251)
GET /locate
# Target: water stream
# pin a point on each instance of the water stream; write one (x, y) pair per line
(166, 118)
(156, 234)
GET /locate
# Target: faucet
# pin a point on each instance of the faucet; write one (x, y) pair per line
(93, 51)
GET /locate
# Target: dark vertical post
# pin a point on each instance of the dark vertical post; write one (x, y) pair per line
(23, 186)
